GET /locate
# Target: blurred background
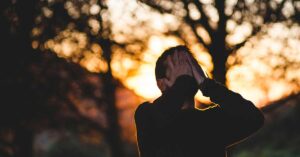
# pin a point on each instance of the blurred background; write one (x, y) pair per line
(74, 71)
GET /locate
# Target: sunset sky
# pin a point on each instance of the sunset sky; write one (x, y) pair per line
(253, 69)
(77, 73)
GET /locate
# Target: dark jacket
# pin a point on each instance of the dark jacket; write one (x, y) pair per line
(164, 130)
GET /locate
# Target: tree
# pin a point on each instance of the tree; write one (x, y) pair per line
(17, 53)
(222, 27)
(36, 27)
(81, 32)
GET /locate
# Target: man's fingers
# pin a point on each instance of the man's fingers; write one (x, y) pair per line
(182, 57)
(168, 82)
(170, 62)
(197, 70)
(176, 57)
(187, 58)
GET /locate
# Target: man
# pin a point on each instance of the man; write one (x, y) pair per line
(172, 127)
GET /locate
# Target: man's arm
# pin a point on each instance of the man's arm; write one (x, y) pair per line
(239, 117)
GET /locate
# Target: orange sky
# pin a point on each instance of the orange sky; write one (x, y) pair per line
(253, 78)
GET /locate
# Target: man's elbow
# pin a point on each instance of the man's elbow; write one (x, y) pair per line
(257, 117)
(261, 119)
(258, 120)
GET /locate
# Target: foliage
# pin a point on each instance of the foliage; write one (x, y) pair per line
(222, 27)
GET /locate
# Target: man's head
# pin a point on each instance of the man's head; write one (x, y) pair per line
(171, 64)
(161, 64)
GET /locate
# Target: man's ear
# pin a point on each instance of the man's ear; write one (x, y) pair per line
(161, 84)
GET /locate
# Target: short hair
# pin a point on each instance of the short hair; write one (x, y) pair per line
(161, 66)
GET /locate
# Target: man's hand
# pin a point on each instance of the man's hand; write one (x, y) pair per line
(197, 71)
(178, 65)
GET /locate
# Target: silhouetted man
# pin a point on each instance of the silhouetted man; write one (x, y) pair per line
(172, 127)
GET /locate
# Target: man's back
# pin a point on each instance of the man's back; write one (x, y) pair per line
(192, 133)
(164, 132)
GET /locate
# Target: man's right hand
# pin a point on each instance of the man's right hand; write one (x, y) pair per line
(197, 71)
(177, 65)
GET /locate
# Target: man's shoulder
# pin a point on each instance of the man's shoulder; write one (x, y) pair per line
(211, 111)
(142, 109)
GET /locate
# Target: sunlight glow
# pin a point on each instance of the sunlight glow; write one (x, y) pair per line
(143, 81)
(74, 46)
(144, 84)
(35, 44)
(93, 63)
(204, 34)
(238, 33)
(268, 65)
(95, 9)
(265, 69)
(194, 13)
(95, 25)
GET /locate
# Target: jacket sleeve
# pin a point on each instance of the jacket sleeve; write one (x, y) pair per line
(238, 118)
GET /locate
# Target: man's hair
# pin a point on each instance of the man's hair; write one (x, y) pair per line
(161, 66)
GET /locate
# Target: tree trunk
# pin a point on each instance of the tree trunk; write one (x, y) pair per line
(219, 55)
(219, 71)
(218, 48)
(114, 131)
(26, 12)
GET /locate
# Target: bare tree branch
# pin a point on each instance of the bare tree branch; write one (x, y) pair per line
(257, 29)
(156, 7)
(271, 13)
(199, 38)
(193, 25)
(241, 44)
(204, 19)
